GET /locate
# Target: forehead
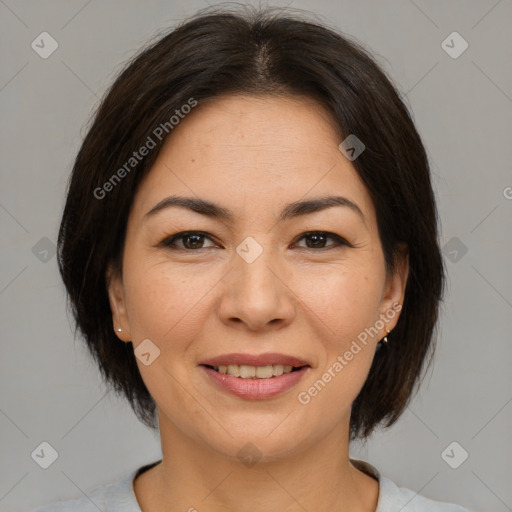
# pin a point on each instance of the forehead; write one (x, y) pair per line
(263, 150)
(289, 118)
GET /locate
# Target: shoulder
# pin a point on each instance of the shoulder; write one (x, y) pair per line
(394, 498)
(118, 496)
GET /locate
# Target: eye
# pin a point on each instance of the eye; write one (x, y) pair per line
(318, 239)
(192, 241)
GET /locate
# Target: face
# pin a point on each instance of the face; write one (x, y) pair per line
(256, 281)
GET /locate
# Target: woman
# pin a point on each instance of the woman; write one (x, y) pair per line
(249, 245)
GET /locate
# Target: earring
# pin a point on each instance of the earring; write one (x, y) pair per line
(119, 329)
(385, 339)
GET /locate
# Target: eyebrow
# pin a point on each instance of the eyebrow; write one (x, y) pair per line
(290, 211)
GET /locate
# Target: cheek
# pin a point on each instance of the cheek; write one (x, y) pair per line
(343, 309)
(166, 308)
(345, 301)
(162, 304)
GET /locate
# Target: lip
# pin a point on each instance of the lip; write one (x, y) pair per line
(255, 389)
(255, 360)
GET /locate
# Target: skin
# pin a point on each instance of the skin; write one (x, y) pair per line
(253, 155)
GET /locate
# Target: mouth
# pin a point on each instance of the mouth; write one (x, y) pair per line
(255, 372)
(255, 376)
(260, 381)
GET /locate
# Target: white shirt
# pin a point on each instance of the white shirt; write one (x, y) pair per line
(120, 496)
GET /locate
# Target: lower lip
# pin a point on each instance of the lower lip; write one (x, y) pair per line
(256, 389)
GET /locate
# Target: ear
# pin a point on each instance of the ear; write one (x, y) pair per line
(394, 292)
(117, 303)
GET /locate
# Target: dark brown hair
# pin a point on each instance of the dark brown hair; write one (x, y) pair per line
(252, 51)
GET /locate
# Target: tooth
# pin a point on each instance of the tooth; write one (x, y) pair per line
(234, 370)
(250, 372)
(277, 370)
(247, 372)
(264, 372)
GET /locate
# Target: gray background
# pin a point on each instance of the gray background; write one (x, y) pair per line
(51, 390)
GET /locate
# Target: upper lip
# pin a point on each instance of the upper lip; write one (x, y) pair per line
(254, 360)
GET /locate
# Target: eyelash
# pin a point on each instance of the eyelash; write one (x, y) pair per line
(168, 242)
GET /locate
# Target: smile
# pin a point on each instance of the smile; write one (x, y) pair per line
(244, 371)
(255, 382)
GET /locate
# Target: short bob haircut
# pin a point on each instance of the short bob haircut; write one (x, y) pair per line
(254, 52)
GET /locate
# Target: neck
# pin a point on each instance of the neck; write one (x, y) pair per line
(193, 477)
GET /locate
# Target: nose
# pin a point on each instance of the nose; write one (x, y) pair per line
(256, 295)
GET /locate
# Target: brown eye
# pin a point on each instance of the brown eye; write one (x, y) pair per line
(317, 240)
(194, 241)
(191, 240)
